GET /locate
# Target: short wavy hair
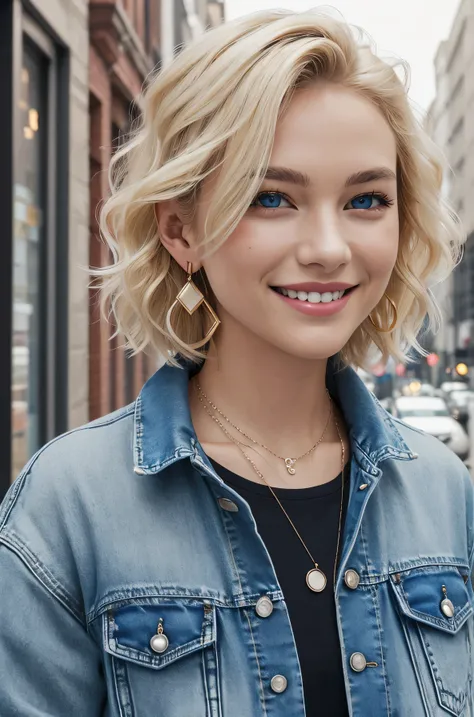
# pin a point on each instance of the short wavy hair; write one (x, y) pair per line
(215, 108)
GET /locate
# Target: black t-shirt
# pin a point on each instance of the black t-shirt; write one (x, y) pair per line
(315, 513)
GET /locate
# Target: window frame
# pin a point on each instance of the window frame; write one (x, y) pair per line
(17, 27)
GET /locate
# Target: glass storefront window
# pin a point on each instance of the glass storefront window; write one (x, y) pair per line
(28, 271)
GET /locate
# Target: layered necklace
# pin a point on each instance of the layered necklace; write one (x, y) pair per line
(316, 579)
(290, 463)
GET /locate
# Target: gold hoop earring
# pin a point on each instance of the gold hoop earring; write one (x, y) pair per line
(394, 320)
(190, 298)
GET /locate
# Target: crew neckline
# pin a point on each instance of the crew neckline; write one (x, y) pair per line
(240, 483)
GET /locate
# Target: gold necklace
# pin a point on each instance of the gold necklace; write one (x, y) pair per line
(289, 462)
(316, 579)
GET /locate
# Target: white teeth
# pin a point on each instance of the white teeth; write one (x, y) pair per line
(314, 297)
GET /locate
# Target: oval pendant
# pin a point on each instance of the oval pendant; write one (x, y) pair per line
(316, 580)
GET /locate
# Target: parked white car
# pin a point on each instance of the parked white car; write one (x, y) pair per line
(431, 414)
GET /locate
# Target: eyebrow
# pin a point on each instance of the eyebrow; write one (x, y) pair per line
(370, 175)
(285, 174)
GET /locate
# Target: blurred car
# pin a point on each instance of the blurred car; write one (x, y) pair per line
(431, 414)
(426, 389)
(448, 386)
(458, 402)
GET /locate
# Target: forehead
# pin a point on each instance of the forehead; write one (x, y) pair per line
(331, 129)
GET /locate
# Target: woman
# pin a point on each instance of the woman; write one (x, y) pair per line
(254, 535)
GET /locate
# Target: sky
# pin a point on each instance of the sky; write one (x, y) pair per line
(409, 29)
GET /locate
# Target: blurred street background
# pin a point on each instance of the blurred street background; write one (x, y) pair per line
(69, 72)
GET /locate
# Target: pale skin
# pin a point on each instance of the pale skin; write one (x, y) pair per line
(266, 370)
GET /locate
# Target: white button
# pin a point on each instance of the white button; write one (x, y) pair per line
(358, 662)
(279, 683)
(227, 504)
(264, 607)
(159, 643)
(139, 471)
(363, 486)
(352, 579)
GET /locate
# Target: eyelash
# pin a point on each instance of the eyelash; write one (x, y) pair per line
(384, 199)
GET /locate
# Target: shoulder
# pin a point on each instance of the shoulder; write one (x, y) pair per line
(48, 516)
(429, 449)
(85, 445)
(439, 474)
(65, 470)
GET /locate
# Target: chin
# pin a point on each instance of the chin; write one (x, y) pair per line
(318, 348)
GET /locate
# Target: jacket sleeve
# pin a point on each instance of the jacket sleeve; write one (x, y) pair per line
(49, 665)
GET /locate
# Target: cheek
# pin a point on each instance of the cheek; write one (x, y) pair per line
(378, 249)
(245, 256)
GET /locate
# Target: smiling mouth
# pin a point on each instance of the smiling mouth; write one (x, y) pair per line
(314, 297)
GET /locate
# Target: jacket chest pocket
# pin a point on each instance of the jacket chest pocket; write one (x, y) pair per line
(436, 604)
(163, 658)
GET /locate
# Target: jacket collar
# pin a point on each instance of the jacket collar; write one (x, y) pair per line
(164, 431)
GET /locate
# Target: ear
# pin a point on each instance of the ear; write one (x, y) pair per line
(175, 235)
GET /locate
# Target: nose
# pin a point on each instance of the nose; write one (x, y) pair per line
(324, 244)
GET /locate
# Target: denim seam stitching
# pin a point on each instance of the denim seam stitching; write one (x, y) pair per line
(459, 703)
(44, 576)
(12, 497)
(262, 689)
(238, 602)
(129, 712)
(455, 562)
(229, 542)
(206, 685)
(375, 597)
(421, 685)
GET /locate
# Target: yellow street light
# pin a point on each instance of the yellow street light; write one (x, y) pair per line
(462, 369)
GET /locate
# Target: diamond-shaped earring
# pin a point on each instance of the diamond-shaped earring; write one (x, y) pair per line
(190, 298)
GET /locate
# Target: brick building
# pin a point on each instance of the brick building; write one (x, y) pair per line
(127, 39)
(69, 70)
(124, 47)
(44, 198)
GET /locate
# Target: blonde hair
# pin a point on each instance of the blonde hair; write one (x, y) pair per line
(216, 107)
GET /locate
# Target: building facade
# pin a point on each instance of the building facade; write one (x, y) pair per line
(70, 70)
(124, 47)
(183, 20)
(451, 123)
(128, 38)
(44, 198)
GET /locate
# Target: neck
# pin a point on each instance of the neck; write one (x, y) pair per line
(277, 398)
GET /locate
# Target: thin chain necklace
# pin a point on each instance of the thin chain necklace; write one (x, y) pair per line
(289, 462)
(316, 579)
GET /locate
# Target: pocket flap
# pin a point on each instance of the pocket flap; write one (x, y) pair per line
(127, 631)
(419, 593)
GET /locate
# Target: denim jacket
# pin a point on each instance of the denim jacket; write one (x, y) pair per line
(124, 522)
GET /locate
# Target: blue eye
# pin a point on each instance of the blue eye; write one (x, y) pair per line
(270, 200)
(369, 201)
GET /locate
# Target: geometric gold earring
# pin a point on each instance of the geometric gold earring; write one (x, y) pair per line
(190, 298)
